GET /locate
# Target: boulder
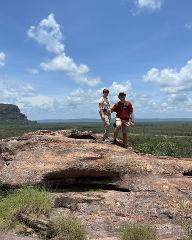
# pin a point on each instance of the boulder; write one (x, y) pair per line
(81, 135)
(105, 185)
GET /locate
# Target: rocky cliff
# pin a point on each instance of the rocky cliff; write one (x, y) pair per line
(130, 186)
(10, 112)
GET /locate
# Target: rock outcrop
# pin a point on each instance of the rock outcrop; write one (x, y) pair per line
(10, 112)
(130, 186)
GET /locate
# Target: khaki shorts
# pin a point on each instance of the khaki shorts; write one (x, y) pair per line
(123, 124)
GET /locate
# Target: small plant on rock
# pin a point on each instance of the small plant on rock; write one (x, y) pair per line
(68, 228)
(137, 231)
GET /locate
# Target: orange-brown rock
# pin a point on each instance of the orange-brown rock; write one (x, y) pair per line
(133, 187)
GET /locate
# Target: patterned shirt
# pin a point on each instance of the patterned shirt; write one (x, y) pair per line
(104, 104)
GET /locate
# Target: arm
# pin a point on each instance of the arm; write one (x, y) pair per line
(101, 110)
(113, 109)
(132, 117)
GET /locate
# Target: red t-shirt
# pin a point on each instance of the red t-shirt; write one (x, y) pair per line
(123, 109)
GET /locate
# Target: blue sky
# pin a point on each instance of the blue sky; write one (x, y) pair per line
(57, 56)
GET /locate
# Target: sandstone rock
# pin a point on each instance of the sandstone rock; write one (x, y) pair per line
(129, 186)
(42, 226)
(9, 112)
(81, 135)
(12, 236)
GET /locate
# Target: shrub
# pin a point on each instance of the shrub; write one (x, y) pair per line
(27, 200)
(161, 147)
(136, 231)
(146, 148)
(68, 228)
(166, 148)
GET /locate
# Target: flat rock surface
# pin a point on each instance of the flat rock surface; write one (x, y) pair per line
(12, 236)
(130, 186)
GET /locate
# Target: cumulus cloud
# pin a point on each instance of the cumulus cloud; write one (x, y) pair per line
(2, 59)
(149, 4)
(143, 103)
(121, 87)
(172, 81)
(79, 73)
(83, 103)
(48, 33)
(93, 96)
(80, 102)
(179, 103)
(176, 86)
(25, 96)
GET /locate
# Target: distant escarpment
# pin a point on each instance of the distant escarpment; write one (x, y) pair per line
(10, 112)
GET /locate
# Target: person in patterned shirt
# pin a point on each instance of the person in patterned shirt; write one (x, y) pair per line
(105, 114)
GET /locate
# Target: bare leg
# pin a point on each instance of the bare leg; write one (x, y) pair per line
(116, 132)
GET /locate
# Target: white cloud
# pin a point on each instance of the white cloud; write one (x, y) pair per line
(33, 71)
(177, 86)
(78, 103)
(86, 102)
(38, 102)
(180, 103)
(170, 80)
(48, 34)
(2, 59)
(77, 72)
(150, 4)
(126, 87)
(83, 103)
(25, 96)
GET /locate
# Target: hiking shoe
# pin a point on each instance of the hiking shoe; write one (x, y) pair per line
(106, 141)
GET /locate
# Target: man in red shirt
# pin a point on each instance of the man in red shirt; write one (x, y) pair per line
(124, 117)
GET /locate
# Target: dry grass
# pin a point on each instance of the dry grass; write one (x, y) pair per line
(27, 200)
(137, 231)
(68, 228)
